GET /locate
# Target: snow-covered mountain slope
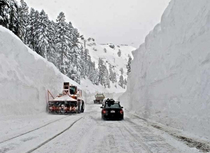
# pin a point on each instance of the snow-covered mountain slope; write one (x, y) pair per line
(169, 81)
(116, 55)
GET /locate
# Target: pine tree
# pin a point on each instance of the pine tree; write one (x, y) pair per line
(86, 54)
(93, 73)
(114, 77)
(112, 74)
(128, 66)
(42, 33)
(106, 77)
(101, 71)
(4, 6)
(23, 19)
(61, 40)
(32, 30)
(37, 33)
(103, 74)
(13, 17)
(119, 53)
(121, 81)
(82, 63)
(51, 54)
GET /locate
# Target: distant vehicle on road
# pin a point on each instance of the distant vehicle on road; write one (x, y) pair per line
(99, 97)
(112, 110)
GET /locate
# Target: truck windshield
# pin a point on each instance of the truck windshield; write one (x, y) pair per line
(100, 95)
(73, 90)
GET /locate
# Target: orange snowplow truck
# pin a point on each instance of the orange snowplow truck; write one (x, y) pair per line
(70, 101)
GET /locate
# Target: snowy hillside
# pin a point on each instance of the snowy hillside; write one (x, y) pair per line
(169, 81)
(116, 55)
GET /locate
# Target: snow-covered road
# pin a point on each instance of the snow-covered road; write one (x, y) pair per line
(84, 133)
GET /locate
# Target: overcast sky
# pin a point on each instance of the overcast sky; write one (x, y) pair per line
(108, 21)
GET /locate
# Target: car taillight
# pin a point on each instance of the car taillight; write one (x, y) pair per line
(104, 111)
(121, 111)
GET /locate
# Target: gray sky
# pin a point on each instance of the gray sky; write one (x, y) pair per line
(108, 21)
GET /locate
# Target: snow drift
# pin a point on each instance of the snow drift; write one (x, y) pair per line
(169, 80)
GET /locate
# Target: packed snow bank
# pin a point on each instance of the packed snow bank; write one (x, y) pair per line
(170, 82)
(25, 77)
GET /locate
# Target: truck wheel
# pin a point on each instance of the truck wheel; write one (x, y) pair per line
(83, 107)
(78, 111)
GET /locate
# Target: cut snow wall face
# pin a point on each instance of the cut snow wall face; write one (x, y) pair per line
(25, 77)
(170, 74)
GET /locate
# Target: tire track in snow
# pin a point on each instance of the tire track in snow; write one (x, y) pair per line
(47, 141)
(145, 136)
(32, 130)
(145, 147)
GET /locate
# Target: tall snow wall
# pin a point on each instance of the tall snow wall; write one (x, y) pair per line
(25, 77)
(170, 74)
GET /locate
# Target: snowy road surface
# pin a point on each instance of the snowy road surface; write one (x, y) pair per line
(84, 133)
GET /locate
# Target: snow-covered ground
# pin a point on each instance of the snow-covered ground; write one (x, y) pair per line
(169, 81)
(85, 133)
